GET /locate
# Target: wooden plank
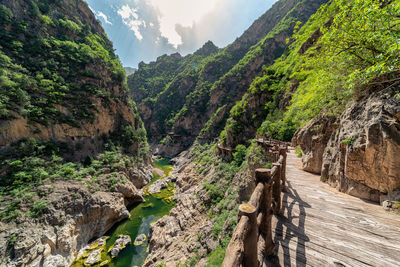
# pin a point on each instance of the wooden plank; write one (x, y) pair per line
(322, 227)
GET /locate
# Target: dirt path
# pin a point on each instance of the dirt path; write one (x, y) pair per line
(322, 227)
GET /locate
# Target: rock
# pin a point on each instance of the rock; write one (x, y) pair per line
(120, 244)
(140, 239)
(94, 257)
(105, 263)
(159, 172)
(387, 205)
(313, 138)
(173, 239)
(55, 261)
(157, 186)
(362, 155)
(114, 251)
(83, 215)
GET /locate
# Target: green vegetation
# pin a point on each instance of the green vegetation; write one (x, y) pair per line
(38, 207)
(222, 190)
(143, 215)
(357, 46)
(349, 140)
(33, 163)
(11, 241)
(298, 151)
(216, 257)
(342, 48)
(48, 60)
(239, 155)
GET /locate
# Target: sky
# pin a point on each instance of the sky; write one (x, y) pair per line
(142, 30)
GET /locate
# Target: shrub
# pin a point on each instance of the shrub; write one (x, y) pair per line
(11, 211)
(216, 257)
(298, 151)
(349, 140)
(6, 14)
(11, 241)
(38, 208)
(240, 155)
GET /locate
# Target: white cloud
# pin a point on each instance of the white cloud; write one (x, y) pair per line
(183, 12)
(104, 17)
(130, 17)
(126, 12)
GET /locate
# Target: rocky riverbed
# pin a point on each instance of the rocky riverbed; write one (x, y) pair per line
(127, 243)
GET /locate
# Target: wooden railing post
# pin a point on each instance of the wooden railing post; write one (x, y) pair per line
(276, 188)
(276, 155)
(283, 152)
(266, 226)
(250, 242)
(255, 217)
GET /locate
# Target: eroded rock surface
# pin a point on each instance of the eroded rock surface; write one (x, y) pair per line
(157, 186)
(362, 156)
(74, 216)
(120, 244)
(359, 153)
(188, 232)
(174, 237)
(312, 139)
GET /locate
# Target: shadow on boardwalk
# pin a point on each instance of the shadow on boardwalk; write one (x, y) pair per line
(319, 226)
(282, 239)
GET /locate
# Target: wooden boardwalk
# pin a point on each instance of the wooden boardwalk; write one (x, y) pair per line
(319, 226)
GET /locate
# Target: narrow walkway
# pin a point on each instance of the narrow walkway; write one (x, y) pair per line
(322, 227)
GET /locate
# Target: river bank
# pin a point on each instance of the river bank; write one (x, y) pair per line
(156, 204)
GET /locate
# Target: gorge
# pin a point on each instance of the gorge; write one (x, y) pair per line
(161, 159)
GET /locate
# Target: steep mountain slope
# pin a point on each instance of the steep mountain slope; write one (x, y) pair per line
(59, 73)
(214, 83)
(347, 85)
(337, 85)
(73, 150)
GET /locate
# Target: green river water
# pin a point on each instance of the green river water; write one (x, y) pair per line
(142, 216)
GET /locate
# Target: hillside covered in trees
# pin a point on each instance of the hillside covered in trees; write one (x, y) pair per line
(329, 83)
(77, 136)
(69, 134)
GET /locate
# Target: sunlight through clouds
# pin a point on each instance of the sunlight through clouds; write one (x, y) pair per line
(142, 30)
(180, 12)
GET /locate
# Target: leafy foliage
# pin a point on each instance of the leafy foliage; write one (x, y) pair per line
(49, 59)
(359, 43)
(34, 163)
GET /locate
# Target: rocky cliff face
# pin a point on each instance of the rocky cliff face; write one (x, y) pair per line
(188, 234)
(73, 151)
(358, 152)
(361, 157)
(62, 80)
(313, 139)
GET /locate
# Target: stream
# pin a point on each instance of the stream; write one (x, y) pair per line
(142, 216)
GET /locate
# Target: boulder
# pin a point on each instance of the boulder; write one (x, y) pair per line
(120, 244)
(140, 239)
(93, 257)
(157, 186)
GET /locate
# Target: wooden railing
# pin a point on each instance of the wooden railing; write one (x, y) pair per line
(252, 238)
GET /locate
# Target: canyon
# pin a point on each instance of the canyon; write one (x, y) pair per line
(81, 142)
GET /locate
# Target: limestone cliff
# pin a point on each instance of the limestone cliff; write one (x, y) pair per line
(61, 80)
(357, 153)
(73, 150)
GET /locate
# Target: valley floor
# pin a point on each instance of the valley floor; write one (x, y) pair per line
(319, 226)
